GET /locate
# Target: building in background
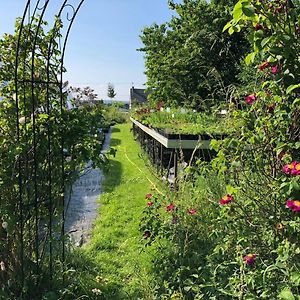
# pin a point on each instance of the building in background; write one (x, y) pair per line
(138, 96)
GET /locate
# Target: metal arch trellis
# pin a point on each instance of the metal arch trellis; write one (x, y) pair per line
(40, 102)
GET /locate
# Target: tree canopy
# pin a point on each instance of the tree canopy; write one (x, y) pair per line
(189, 60)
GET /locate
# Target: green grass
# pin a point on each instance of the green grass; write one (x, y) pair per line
(115, 251)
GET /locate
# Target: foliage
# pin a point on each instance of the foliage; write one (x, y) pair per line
(182, 121)
(113, 114)
(31, 137)
(189, 62)
(248, 215)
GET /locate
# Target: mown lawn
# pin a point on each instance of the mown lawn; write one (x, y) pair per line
(118, 267)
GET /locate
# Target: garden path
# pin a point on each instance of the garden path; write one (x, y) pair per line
(82, 202)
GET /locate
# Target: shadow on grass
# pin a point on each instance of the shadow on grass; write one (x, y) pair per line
(113, 173)
(114, 129)
(115, 142)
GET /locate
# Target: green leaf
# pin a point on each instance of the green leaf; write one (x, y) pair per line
(231, 30)
(228, 25)
(237, 12)
(250, 58)
(295, 277)
(292, 87)
(296, 102)
(276, 50)
(286, 294)
(265, 41)
(231, 190)
(248, 11)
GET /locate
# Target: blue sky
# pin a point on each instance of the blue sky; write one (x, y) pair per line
(103, 42)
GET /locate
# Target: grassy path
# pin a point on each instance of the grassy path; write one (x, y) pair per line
(124, 271)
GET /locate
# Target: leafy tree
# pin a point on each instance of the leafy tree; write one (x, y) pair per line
(189, 61)
(111, 91)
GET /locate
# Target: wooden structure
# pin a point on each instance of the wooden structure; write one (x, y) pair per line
(170, 152)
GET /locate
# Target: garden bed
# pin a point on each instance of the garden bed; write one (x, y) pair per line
(176, 141)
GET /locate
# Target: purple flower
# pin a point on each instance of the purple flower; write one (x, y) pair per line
(170, 207)
(192, 211)
(293, 205)
(274, 70)
(226, 199)
(249, 259)
(251, 98)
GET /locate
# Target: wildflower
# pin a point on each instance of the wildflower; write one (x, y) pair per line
(4, 225)
(170, 207)
(263, 66)
(293, 205)
(148, 196)
(147, 234)
(192, 211)
(226, 199)
(97, 292)
(2, 266)
(150, 203)
(258, 27)
(287, 168)
(251, 98)
(292, 169)
(249, 259)
(274, 70)
(296, 170)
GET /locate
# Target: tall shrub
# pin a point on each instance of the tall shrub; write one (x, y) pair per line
(189, 62)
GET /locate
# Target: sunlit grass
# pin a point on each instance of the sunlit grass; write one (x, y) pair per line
(116, 244)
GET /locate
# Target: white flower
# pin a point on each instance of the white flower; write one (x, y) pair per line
(22, 120)
(97, 292)
(2, 266)
(4, 225)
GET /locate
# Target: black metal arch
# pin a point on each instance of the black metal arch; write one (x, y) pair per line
(40, 102)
